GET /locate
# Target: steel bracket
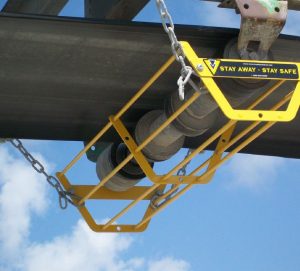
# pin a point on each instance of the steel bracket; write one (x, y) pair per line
(261, 24)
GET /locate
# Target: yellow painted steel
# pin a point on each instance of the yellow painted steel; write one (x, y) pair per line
(156, 194)
(207, 76)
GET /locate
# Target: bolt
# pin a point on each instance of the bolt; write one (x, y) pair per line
(200, 67)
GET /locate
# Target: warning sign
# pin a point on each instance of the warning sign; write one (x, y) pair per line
(252, 69)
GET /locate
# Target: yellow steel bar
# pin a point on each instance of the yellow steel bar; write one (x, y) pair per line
(172, 190)
(106, 179)
(252, 126)
(131, 145)
(194, 97)
(144, 144)
(217, 156)
(240, 135)
(64, 181)
(121, 112)
(105, 194)
(244, 143)
(131, 205)
(168, 193)
(239, 148)
(150, 208)
(139, 157)
(207, 72)
(199, 149)
(202, 166)
(266, 94)
(134, 149)
(87, 147)
(174, 179)
(141, 160)
(189, 186)
(208, 79)
(175, 115)
(227, 126)
(88, 218)
(208, 174)
(221, 131)
(252, 137)
(255, 124)
(162, 207)
(214, 159)
(140, 92)
(253, 105)
(99, 227)
(218, 152)
(145, 87)
(214, 167)
(253, 115)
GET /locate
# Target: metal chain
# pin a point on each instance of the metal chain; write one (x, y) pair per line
(64, 197)
(185, 77)
(169, 27)
(182, 173)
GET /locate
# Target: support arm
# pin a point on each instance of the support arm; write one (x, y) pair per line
(114, 9)
(292, 4)
(45, 7)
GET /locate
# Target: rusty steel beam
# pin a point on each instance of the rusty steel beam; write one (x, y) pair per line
(114, 9)
(44, 7)
(292, 4)
(262, 24)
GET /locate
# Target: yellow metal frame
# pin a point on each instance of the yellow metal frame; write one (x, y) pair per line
(207, 76)
(203, 174)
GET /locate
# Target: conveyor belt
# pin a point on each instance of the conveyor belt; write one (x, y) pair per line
(61, 78)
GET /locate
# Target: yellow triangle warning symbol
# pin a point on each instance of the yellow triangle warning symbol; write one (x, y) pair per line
(212, 64)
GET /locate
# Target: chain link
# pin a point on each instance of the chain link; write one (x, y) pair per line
(169, 27)
(182, 172)
(64, 197)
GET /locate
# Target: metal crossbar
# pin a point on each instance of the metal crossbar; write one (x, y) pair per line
(181, 184)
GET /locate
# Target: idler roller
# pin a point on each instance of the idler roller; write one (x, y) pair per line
(199, 117)
(239, 90)
(166, 144)
(109, 159)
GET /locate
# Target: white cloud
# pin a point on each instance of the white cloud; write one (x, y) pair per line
(253, 171)
(22, 195)
(81, 250)
(169, 264)
(89, 251)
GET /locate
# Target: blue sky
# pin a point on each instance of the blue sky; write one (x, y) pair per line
(248, 218)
